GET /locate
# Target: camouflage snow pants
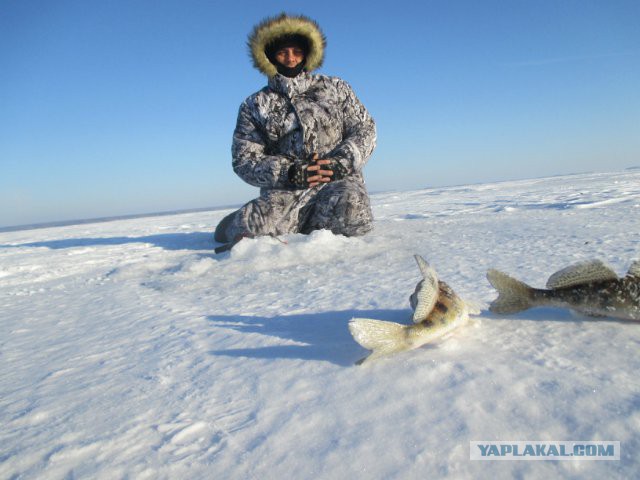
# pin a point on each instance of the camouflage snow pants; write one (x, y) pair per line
(341, 206)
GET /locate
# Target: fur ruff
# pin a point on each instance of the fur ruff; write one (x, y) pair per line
(272, 28)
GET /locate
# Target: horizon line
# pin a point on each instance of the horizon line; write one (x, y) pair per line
(67, 223)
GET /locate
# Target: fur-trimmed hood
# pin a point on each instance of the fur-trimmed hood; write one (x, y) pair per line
(271, 29)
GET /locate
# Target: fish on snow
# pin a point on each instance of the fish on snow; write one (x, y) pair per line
(437, 311)
(591, 288)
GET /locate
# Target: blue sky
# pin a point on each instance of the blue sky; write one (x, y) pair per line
(127, 107)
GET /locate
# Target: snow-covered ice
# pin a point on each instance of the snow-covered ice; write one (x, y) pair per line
(129, 350)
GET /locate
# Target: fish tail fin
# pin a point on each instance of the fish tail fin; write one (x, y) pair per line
(513, 295)
(383, 338)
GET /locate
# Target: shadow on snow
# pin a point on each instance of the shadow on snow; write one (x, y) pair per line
(167, 241)
(325, 336)
(553, 314)
(321, 336)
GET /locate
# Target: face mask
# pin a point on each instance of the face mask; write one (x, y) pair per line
(290, 72)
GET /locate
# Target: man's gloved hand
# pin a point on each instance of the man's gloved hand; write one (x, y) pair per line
(339, 172)
(307, 174)
(299, 174)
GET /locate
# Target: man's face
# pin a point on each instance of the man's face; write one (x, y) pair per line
(289, 56)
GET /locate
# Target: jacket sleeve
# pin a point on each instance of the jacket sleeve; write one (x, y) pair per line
(250, 160)
(358, 135)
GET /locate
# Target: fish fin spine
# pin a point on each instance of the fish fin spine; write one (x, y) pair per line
(513, 295)
(634, 269)
(581, 273)
(426, 293)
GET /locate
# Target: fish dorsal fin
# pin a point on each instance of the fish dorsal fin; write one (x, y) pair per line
(634, 269)
(581, 273)
(427, 293)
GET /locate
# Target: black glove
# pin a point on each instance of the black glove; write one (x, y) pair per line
(298, 174)
(339, 172)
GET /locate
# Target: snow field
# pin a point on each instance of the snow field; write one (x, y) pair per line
(129, 350)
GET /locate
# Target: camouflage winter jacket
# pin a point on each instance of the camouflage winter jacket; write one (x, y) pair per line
(292, 118)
